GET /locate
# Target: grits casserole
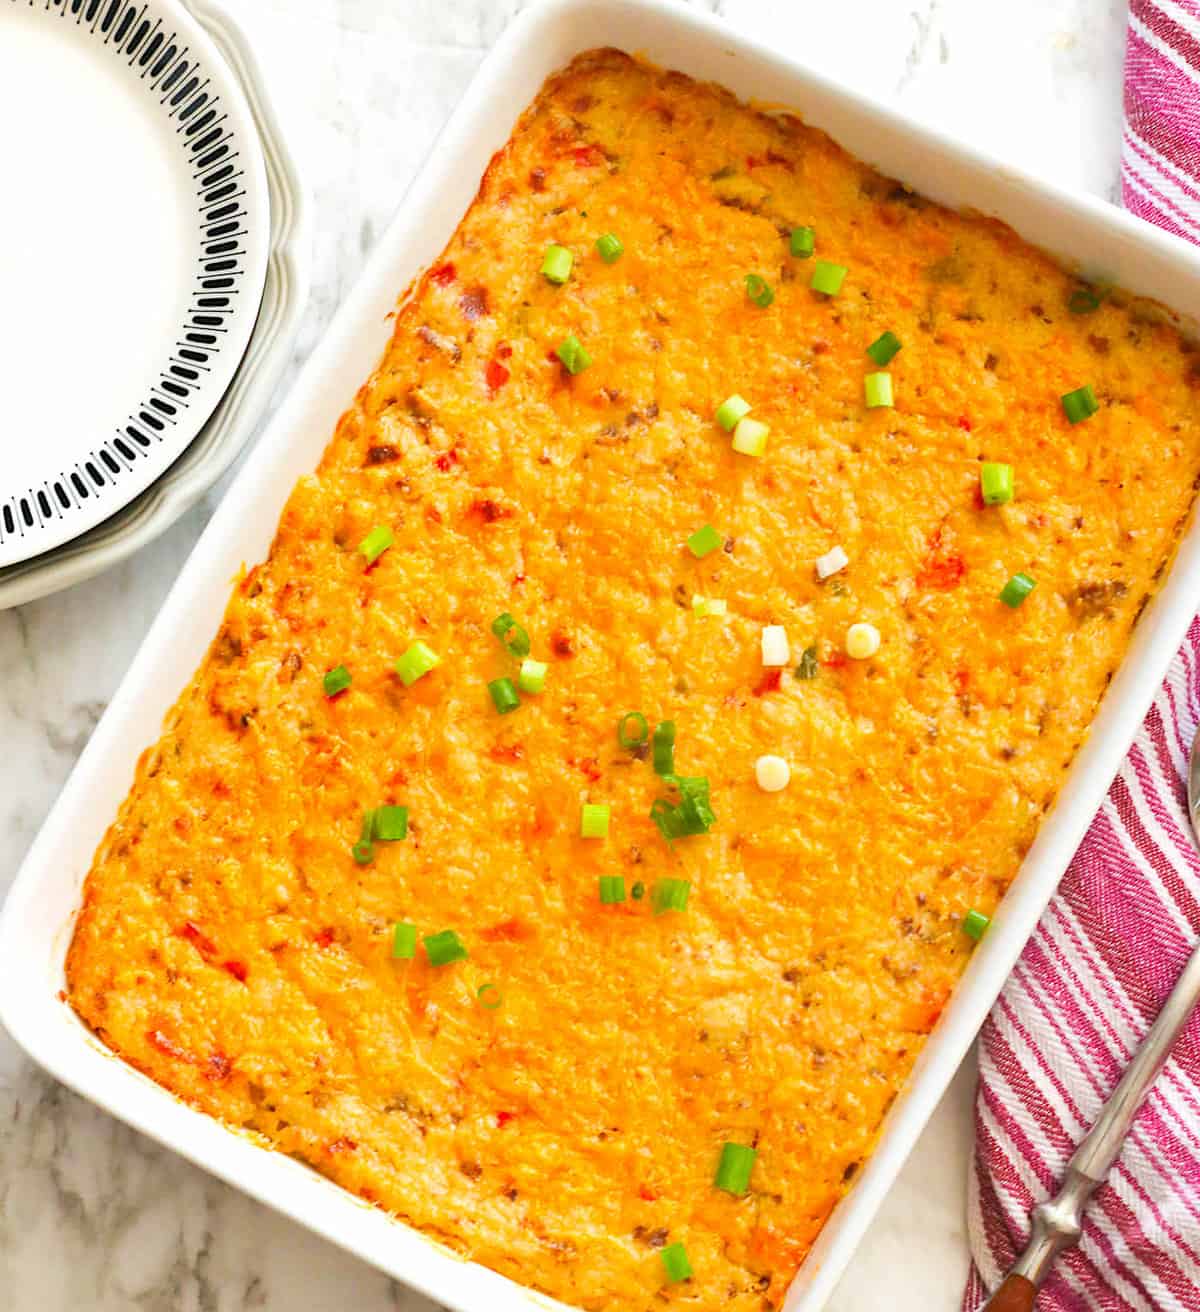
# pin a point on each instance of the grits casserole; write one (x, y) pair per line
(583, 815)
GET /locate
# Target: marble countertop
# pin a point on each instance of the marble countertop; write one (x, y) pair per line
(92, 1216)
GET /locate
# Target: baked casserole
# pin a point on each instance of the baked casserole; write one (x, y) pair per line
(583, 814)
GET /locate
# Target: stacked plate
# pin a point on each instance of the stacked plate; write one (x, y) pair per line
(153, 260)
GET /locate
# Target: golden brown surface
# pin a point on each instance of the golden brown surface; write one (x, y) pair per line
(229, 944)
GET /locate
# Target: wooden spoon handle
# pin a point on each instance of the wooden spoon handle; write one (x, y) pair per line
(1016, 1294)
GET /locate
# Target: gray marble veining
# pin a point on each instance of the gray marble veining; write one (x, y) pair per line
(92, 1216)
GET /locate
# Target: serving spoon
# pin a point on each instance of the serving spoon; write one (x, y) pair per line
(1058, 1222)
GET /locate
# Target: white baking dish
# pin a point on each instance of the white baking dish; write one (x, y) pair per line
(36, 925)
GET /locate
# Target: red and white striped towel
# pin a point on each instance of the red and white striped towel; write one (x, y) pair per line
(1127, 913)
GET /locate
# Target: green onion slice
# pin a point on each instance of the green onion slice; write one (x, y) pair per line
(733, 1170)
(704, 541)
(574, 358)
(884, 347)
(337, 680)
(556, 267)
(1083, 300)
(664, 747)
(671, 895)
(827, 278)
(641, 730)
(593, 820)
(416, 662)
(878, 391)
(612, 889)
(404, 942)
(1017, 589)
(376, 543)
(390, 825)
(995, 483)
(675, 1263)
(364, 849)
(512, 635)
(489, 996)
(1080, 404)
(802, 242)
(638, 890)
(731, 410)
(809, 665)
(504, 695)
(750, 437)
(532, 675)
(975, 925)
(610, 248)
(444, 948)
(759, 290)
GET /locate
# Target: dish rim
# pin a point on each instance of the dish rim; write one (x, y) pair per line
(1158, 264)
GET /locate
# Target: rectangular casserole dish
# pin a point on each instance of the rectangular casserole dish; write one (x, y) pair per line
(36, 927)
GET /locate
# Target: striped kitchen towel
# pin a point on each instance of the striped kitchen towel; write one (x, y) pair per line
(1119, 930)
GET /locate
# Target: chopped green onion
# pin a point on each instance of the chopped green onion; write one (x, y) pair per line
(1080, 403)
(612, 889)
(574, 358)
(975, 925)
(444, 948)
(884, 347)
(709, 606)
(641, 730)
(694, 810)
(733, 1171)
(995, 483)
(1083, 300)
(731, 410)
(532, 675)
(489, 996)
(693, 814)
(704, 541)
(638, 890)
(1017, 589)
(671, 895)
(827, 278)
(512, 635)
(391, 824)
(364, 849)
(803, 241)
(750, 437)
(417, 661)
(759, 290)
(376, 543)
(593, 820)
(504, 695)
(556, 267)
(809, 665)
(337, 680)
(610, 248)
(404, 942)
(878, 390)
(675, 1263)
(664, 747)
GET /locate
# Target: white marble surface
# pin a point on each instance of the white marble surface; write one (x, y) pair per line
(91, 1215)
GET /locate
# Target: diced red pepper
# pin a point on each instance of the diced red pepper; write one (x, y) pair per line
(443, 275)
(497, 375)
(236, 969)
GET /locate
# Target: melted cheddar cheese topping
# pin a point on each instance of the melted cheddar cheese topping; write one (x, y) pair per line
(231, 947)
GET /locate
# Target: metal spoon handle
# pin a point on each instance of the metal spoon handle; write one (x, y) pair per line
(1058, 1222)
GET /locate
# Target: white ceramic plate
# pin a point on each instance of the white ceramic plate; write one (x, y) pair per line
(36, 925)
(284, 295)
(133, 264)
